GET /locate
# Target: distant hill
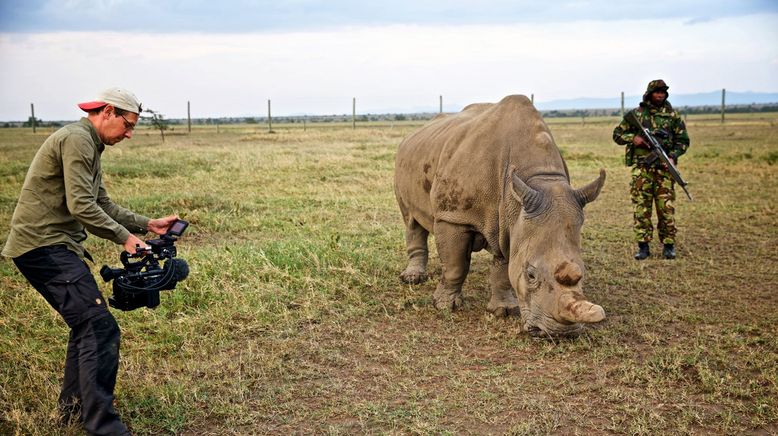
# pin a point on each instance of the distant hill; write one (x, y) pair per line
(701, 99)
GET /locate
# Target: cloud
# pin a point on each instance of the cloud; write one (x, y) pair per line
(240, 16)
(698, 20)
(393, 67)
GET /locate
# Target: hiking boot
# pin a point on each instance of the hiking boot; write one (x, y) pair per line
(643, 251)
(669, 251)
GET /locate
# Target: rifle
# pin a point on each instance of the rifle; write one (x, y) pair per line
(658, 151)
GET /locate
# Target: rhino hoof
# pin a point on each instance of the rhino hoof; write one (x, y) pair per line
(506, 312)
(413, 277)
(447, 303)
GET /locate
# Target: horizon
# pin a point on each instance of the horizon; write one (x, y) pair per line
(581, 104)
(313, 57)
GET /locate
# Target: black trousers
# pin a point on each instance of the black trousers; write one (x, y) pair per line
(92, 361)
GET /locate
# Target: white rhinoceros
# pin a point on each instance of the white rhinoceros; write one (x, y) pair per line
(491, 177)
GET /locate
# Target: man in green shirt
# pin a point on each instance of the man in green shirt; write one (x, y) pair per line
(62, 198)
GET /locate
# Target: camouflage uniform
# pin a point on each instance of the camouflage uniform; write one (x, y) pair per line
(652, 183)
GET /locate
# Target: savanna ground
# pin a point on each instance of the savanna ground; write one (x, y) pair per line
(293, 319)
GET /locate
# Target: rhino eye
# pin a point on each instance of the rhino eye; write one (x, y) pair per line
(531, 274)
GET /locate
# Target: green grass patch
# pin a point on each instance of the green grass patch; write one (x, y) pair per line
(293, 319)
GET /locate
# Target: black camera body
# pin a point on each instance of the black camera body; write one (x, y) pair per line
(147, 272)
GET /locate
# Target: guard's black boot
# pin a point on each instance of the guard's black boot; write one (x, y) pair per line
(669, 251)
(643, 251)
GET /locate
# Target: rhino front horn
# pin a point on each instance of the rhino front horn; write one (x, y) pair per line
(579, 310)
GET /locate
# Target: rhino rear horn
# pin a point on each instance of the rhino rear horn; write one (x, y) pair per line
(589, 193)
(530, 198)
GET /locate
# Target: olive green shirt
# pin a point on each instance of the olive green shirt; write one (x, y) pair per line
(63, 196)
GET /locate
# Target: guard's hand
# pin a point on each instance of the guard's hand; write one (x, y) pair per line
(132, 243)
(160, 226)
(639, 142)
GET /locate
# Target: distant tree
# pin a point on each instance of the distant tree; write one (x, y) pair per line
(158, 121)
(29, 121)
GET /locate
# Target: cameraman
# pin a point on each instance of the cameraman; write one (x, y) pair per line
(62, 197)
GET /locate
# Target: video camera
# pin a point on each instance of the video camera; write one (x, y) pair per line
(139, 282)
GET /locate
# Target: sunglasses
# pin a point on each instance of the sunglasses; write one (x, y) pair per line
(128, 125)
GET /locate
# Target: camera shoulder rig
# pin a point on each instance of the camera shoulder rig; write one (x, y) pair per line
(146, 272)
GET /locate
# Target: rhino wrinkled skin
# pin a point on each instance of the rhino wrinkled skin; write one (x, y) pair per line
(492, 178)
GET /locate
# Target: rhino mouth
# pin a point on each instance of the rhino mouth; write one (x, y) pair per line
(544, 326)
(539, 333)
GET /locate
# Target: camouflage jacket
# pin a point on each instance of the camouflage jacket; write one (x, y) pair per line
(666, 124)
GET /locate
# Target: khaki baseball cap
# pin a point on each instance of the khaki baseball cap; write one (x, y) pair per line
(116, 97)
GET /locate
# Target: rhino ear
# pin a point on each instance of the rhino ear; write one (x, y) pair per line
(529, 198)
(589, 193)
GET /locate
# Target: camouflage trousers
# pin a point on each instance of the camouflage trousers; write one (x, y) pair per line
(653, 186)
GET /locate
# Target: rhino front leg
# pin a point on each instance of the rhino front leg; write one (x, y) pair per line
(454, 244)
(503, 302)
(416, 243)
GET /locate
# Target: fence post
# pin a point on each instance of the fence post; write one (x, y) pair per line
(532, 98)
(622, 104)
(32, 109)
(441, 105)
(269, 118)
(354, 113)
(305, 118)
(188, 117)
(723, 94)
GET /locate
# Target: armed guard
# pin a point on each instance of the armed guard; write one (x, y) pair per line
(651, 181)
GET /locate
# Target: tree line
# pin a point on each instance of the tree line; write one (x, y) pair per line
(158, 122)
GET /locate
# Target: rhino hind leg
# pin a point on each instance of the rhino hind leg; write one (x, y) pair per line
(503, 302)
(455, 245)
(418, 253)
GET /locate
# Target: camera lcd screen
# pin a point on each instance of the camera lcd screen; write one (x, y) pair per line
(178, 227)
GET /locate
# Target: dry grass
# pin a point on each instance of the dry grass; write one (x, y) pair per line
(293, 319)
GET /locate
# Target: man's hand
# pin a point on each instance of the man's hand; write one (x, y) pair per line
(160, 226)
(639, 142)
(132, 243)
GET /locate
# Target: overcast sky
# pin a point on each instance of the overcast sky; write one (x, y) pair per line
(311, 57)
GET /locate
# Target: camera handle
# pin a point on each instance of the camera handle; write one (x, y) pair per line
(125, 257)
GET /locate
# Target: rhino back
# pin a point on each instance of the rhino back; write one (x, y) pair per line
(416, 163)
(453, 169)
